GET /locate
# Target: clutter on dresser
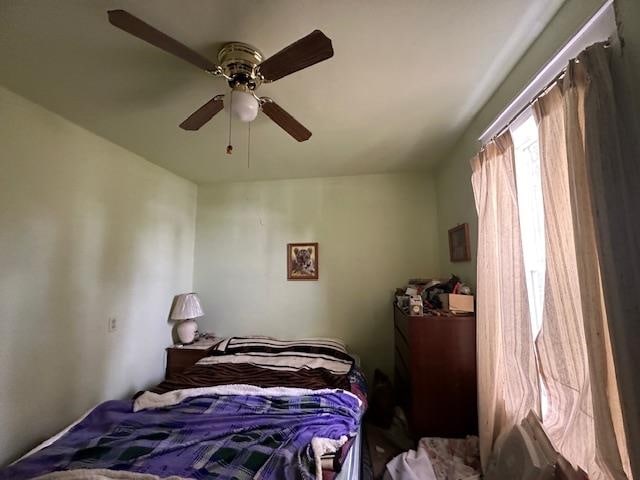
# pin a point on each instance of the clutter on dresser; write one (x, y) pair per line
(202, 341)
(206, 336)
(435, 297)
(416, 306)
(456, 303)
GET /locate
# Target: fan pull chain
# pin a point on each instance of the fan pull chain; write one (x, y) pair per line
(229, 146)
(249, 148)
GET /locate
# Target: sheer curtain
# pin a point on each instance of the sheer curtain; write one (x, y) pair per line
(507, 376)
(574, 347)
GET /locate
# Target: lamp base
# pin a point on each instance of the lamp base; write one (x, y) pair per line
(187, 331)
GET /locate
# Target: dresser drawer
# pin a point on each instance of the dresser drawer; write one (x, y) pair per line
(179, 359)
(402, 362)
(402, 325)
(435, 373)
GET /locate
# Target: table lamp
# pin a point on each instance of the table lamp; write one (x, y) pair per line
(186, 307)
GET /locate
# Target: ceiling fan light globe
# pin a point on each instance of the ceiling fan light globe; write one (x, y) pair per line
(244, 106)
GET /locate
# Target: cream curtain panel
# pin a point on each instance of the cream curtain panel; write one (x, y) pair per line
(507, 377)
(612, 155)
(584, 419)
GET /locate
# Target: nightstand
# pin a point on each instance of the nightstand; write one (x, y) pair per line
(181, 357)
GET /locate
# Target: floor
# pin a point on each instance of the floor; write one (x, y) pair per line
(379, 448)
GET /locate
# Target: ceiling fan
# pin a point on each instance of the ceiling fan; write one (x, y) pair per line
(243, 67)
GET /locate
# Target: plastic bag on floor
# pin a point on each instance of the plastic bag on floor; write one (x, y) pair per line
(437, 459)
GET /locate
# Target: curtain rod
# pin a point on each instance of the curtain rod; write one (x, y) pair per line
(536, 96)
(539, 94)
(599, 27)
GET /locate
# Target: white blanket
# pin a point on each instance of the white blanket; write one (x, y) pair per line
(154, 400)
(411, 465)
(437, 459)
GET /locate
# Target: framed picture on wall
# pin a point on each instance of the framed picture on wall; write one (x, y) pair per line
(302, 261)
(459, 250)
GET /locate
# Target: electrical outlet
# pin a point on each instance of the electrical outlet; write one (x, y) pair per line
(112, 324)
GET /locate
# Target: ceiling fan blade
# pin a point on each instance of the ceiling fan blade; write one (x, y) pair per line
(205, 113)
(307, 51)
(136, 27)
(289, 124)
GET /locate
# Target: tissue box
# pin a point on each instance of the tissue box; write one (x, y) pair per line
(457, 303)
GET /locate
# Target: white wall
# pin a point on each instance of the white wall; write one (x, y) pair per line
(374, 233)
(88, 230)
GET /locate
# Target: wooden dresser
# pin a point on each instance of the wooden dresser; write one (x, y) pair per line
(435, 373)
(181, 357)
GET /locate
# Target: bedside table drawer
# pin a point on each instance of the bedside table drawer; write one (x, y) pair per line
(179, 359)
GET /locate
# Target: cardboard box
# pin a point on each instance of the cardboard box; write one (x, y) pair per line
(457, 303)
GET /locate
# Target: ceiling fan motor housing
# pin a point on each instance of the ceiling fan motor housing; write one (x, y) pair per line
(239, 61)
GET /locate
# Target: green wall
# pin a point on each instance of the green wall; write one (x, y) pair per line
(88, 231)
(374, 233)
(453, 177)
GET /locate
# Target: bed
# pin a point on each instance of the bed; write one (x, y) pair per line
(253, 407)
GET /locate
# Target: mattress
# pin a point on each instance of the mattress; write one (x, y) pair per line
(352, 464)
(350, 468)
(243, 360)
(306, 395)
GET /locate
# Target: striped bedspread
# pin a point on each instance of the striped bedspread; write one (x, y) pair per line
(283, 355)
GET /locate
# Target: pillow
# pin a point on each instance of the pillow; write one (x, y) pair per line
(279, 354)
(274, 345)
(283, 361)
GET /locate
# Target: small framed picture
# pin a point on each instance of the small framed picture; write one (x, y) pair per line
(302, 261)
(459, 250)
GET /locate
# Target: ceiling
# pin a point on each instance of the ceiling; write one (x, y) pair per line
(406, 78)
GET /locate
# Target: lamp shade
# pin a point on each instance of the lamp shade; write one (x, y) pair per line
(186, 307)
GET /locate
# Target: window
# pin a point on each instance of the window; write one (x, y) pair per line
(531, 208)
(579, 371)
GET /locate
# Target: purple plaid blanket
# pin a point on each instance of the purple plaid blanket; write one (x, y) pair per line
(213, 436)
